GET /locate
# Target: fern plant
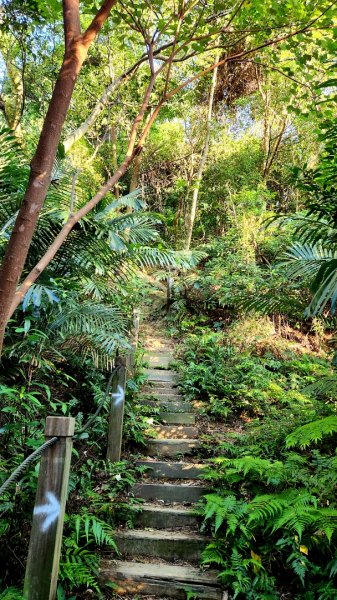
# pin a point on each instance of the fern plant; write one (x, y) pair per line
(312, 432)
(11, 594)
(80, 560)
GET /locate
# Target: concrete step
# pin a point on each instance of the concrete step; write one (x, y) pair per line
(161, 580)
(168, 405)
(170, 432)
(177, 418)
(158, 359)
(163, 517)
(170, 447)
(161, 385)
(169, 493)
(163, 375)
(159, 396)
(172, 470)
(169, 545)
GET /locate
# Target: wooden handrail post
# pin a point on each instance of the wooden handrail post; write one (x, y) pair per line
(131, 359)
(46, 535)
(136, 321)
(169, 291)
(116, 416)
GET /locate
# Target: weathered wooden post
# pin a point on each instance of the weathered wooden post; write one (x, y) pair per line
(169, 291)
(135, 336)
(117, 412)
(46, 535)
(131, 358)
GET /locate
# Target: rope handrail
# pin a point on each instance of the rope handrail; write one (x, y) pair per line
(101, 404)
(23, 466)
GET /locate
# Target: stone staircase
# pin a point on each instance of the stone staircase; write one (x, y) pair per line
(160, 557)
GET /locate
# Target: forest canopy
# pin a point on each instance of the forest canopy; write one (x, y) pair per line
(177, 157)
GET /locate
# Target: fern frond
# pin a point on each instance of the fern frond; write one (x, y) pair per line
(269, 506)
(224, 509)
(94, 529)
(11, 593)
(312, 432)
(274, 472)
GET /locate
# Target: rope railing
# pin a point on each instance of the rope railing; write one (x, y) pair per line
(16, 475)
(48, 515)
(23, 466)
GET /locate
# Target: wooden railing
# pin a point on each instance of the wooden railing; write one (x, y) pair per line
(48, 515)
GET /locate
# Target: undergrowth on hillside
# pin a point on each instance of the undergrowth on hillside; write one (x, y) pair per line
(98, 490)
(272, 510)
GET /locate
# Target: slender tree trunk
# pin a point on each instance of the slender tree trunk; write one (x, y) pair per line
(131, 153)
(204, 155)
(76, 49)
(13, 107)
(135, 173)
(78, 133)
(114, 156)
(274, 146)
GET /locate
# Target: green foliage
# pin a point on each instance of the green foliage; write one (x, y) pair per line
(80, 561)
(11, 594)
(312, 432)
(242, 370)
(272, 512)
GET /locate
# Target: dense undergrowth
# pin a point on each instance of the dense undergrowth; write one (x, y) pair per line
(253, 304)
(97, 489)
(272, 512)
(258, 320)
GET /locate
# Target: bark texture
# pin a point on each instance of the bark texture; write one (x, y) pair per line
(76, 49)
(204, 155)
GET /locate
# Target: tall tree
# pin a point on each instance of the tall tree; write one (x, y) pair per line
(203, 159)
(170, 37)
(76, 48)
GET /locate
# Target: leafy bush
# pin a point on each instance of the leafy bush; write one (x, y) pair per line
(273, 511)
(256, 381)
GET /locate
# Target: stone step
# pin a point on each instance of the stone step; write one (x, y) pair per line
(169, 493)
(169, 432)
(161, 385)
(163, 517)
(169, 545)
(168, 405)
(161, 580)
(177, 418)
(164, 375)
(158, 359)
(170, 447)
(159, 396)
(172, 470)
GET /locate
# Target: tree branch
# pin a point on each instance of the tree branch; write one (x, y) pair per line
(97, 23)
(78, 133)
(133, 148)
(71, 21)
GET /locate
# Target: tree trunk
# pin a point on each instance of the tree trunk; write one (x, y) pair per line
(77, 46)
(202, 163)
(114, 156)
(135, 173)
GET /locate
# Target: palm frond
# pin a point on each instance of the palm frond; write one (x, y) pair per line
(318, 265)
(154, 257)
(305, 260)
(132, 200)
